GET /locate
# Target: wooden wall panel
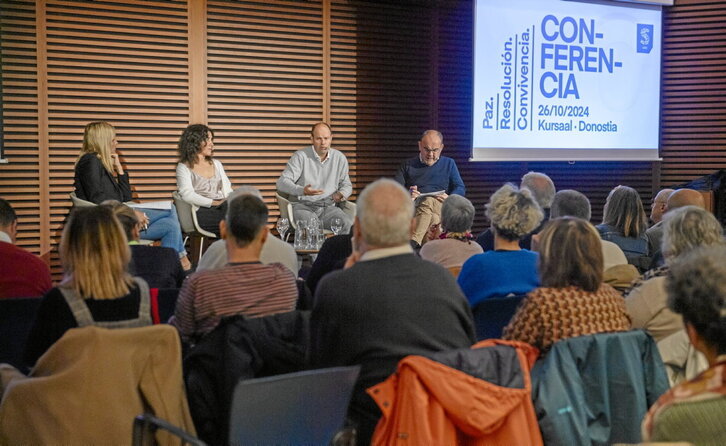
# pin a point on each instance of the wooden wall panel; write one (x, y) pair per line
(694, 90)
(20, 178)
(381, 72)
(122, 63)
(265, 79)
(380, 84)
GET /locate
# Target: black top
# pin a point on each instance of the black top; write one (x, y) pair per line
(158, 266)
(332, 256)
(379, 311)
(54, 318)
(94, 183)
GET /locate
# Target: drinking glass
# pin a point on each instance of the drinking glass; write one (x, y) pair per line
(336, 225)
(283, 224)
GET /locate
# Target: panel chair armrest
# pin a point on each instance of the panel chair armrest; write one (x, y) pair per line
(284, 202)
(349, 208)
(187, 213)
(79, 202)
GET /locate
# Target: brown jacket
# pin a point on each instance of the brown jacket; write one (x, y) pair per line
(88, 387)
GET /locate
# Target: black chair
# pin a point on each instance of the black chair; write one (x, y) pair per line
(16, 319)
(163, 305)
(146, 425)
(297, 408)
(492, 315)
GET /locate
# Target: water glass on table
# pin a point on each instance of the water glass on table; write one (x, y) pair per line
(336, 225)
(283, 224)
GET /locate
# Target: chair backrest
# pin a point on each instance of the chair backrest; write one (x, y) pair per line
(163, 303)
(297, 408)
(596, 389)
(184, 210)
(283, 202)
(78, 202)
(492, 315)
(16, 319)
(146, 425)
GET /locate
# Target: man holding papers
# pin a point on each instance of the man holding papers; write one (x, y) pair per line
(430, 178)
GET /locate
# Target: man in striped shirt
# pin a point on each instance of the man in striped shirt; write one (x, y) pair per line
(245, 285)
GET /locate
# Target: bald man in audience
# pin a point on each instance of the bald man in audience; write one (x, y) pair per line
(676, 199)
(387, 304)
(659, 205)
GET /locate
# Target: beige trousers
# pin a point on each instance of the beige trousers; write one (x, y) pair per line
(428, 212)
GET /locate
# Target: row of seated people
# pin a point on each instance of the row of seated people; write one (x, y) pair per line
(385, 305)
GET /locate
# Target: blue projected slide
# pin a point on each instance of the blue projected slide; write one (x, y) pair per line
(566, 80)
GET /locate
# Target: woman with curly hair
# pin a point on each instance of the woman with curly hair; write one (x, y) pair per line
(200, 179)
(508, 269)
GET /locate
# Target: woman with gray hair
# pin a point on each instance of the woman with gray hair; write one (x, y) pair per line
(684, 229)
(508, 269)
(693, 411)
(454, 246)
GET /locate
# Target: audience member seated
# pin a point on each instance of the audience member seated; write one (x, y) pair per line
(22, 274)
(200, 179)
(684, 229)
(96, 288)
(454, 246)
(508, 269)
(543, 190)
(677, 199)
(572, 300)
(100, 176)
(332, 256)
(693, 412)
(617, 272)
(659, 206)
(387, 304)
(624, 224)
(273, 251)
(245, 286)
(158, 266)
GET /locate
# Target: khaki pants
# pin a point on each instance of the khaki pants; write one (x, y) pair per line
(428, 212)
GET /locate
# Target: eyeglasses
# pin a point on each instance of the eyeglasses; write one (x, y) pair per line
(432, 150)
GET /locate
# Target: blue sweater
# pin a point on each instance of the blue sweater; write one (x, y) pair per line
(497, 274)
(441, 176)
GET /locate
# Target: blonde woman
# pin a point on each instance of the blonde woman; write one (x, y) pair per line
(100, 176)
(573, 300)
(96, 288)
(508, 269)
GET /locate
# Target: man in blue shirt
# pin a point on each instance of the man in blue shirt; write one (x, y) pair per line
(430, 178)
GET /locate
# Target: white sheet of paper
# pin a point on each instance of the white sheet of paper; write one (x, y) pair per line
(432, 194)
(161, 205)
